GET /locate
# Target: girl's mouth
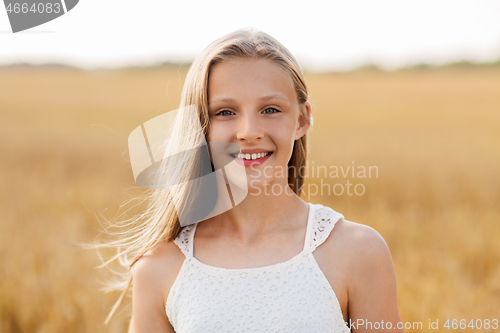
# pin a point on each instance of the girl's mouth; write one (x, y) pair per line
(251, 159)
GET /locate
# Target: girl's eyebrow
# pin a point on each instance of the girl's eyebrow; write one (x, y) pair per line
(263, 98)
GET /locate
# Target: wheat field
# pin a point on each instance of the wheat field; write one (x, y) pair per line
(432, 136)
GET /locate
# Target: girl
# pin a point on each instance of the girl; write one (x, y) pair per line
(272, 263)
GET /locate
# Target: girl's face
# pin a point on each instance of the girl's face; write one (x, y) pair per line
(253, 103)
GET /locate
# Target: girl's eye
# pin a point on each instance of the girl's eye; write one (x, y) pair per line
(273, 109)
(224, 113)
(229, 113)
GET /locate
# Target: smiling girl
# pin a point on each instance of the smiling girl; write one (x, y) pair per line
(272, 263)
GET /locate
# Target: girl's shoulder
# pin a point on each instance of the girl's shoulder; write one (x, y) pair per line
(346, 231)
(356, 236)
(359, 247)
(158, 268)
(164, 253)
(354, 241)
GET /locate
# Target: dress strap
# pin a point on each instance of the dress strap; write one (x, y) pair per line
(319, 227)
(185, 240)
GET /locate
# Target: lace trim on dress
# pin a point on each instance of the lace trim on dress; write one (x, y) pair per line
(323, 221)
(184, 241)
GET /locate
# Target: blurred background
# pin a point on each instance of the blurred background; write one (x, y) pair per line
(412, 88)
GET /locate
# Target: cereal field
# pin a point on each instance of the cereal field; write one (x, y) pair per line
(432, 136)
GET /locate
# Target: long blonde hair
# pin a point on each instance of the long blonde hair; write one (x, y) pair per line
(159, 221)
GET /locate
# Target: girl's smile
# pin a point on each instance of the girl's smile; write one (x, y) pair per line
(252, 157)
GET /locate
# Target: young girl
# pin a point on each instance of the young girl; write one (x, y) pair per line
(272, 263)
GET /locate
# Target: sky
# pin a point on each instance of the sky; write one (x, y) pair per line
(323, 35)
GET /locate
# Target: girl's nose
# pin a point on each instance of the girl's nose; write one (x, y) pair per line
(249, 128)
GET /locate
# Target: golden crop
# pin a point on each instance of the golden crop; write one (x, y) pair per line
(433, 136)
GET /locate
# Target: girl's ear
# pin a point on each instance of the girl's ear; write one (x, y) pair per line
(305, 114)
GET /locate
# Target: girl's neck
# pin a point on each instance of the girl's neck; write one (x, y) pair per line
(260, 215)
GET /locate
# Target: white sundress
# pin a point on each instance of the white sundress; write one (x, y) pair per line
(290, 296)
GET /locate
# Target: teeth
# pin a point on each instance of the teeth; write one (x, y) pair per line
(252, 156)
